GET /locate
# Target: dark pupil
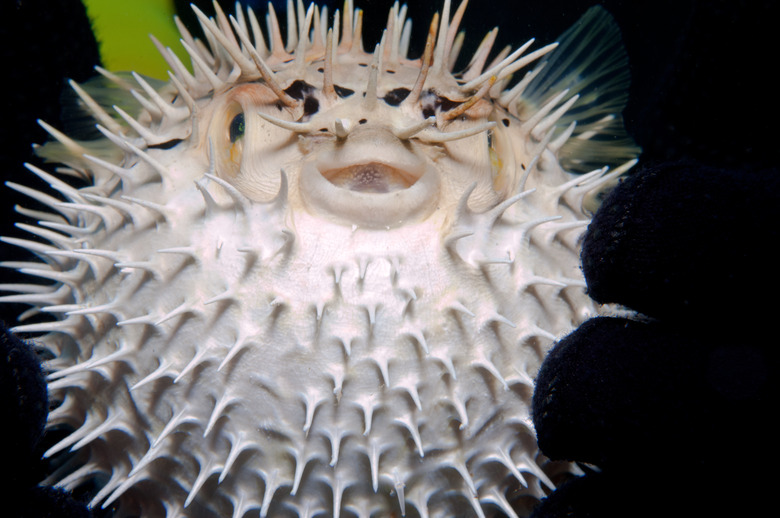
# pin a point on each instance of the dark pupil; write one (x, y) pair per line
(237, 127)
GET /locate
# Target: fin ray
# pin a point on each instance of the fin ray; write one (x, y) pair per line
(591, 62)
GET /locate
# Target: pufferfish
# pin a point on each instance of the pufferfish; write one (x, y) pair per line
(303, 279)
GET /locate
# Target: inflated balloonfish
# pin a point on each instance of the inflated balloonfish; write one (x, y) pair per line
(304, 279)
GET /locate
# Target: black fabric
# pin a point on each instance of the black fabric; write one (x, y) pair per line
(676, 240)
(684, 396)
(23, 410)
(25, 401)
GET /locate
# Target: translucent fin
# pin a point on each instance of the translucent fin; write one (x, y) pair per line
(590, 61)
(79, 123)
(55, 152)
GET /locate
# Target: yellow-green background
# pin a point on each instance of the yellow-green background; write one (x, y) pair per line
(122, 30)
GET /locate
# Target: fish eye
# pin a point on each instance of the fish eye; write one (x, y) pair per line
(237, 127)
(495, 159)
(231, 139)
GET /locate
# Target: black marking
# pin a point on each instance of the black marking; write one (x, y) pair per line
(396, 96)
(505, 122)
(303, 91)
(362, 121)
(299, 89)
(166, 145)
(446, 104)
(310, 105)
(431, 102)
(343, 92)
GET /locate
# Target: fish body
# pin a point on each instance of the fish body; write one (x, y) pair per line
(307, 279)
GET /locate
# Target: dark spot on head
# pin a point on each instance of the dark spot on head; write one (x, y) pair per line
(431, 102)
(362, 64)
(299, 89)
(310, 105)
(343, 92)
(446, 104)
(362, 121)
(320, 69)
(165, 145)
(505, 122)
(390, 71)
(396, 96)
(303, 91)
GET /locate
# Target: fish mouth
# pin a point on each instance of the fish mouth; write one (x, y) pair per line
(371, 177)
(372, 182)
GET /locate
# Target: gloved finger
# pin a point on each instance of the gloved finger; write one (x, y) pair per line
(617, 393)
(683, 240)
(23, 405)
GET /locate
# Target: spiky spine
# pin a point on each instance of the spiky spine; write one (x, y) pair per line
(223, 349)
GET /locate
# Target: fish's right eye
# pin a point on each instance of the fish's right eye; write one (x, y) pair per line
(237, 127)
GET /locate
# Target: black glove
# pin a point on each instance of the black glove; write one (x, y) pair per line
(23, 410)
(673, 409)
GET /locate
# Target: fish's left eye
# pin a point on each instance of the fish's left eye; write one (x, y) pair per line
(246, 149)
(495, 158)
(237, 127)
(232, 140)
